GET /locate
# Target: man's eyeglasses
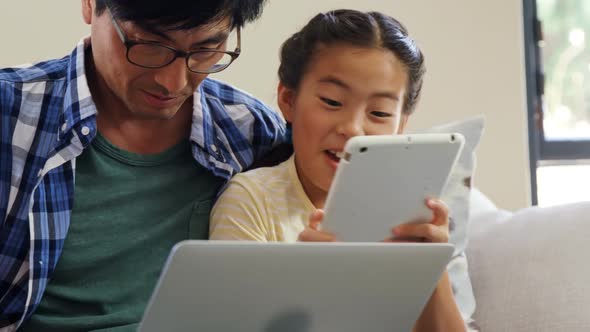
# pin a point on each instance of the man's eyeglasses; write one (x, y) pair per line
(156, 55)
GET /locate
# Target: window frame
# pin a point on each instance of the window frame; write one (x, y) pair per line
(541, 150)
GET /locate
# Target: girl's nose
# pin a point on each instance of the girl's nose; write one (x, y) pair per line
(352, 124)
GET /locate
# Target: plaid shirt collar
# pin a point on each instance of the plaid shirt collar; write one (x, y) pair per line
(215, 146)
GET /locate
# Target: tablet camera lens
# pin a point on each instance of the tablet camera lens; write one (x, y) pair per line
(363, 149)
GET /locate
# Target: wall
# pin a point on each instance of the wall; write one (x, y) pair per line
(474, 52)
(38, 30)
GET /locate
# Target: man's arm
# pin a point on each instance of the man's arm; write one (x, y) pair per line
(270, 135)
(14, 266)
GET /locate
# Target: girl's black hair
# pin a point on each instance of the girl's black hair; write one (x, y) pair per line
(371, 30)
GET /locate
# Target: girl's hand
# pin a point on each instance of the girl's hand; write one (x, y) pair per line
(312, 232)
(436, 230)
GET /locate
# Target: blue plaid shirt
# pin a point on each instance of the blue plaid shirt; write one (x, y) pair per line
(47, 119)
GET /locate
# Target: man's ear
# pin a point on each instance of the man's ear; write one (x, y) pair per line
(87, 10)
(402, 123)
(286, 101)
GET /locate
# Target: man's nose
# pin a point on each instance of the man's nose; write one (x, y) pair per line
(173, 77)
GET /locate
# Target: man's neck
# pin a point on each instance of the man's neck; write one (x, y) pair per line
(129, 131)
(145, 136)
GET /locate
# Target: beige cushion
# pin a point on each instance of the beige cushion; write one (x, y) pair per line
(530, 271)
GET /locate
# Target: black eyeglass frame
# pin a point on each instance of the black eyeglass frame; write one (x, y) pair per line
(128, 43)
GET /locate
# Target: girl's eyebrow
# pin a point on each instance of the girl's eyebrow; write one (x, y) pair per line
(340, 83)
(335, 81)
(384, 94)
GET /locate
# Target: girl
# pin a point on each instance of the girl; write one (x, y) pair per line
(346, 73)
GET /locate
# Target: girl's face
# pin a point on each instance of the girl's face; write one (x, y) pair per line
(346, 91)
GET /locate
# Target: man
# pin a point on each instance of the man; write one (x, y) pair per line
(114, 153)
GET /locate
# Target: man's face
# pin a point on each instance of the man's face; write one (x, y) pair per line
(143, 92)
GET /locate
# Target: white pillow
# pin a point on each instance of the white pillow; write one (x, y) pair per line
(479, 203)
(457, 196)
(530, 271)
(483, 213)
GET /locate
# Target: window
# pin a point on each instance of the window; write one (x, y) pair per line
(557, 46)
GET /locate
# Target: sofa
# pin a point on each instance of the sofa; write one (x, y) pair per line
(530, 269)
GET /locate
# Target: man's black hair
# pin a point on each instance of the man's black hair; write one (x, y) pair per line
(182, 14)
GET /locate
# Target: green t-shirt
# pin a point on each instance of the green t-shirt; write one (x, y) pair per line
(129, 211)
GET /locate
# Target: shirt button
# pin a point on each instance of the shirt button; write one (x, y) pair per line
(85, 131)
(40, 263)
(213, 148)
(64, 126)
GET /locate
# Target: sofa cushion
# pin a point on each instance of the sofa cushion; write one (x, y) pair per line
(530, 270)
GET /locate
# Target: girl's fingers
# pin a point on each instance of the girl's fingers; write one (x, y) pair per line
(440, 211)
(310, 235)
(315, 219)
(427, 232)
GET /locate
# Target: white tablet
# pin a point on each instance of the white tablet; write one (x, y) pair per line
(294, 287)
(383, 181)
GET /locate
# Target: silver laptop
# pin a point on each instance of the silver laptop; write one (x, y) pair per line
(302, 287)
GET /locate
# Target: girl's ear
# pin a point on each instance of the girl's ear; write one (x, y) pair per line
(286, 101)
(402, 123)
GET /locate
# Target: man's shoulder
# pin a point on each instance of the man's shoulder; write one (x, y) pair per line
(228, 95)
(50, 70)
(33, 96)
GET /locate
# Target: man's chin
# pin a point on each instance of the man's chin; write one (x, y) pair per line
(161, 114)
